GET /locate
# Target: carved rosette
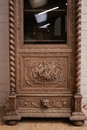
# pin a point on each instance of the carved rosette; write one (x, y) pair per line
(12, 46)
(78, 46)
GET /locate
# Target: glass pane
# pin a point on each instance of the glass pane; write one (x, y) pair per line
(45, 21)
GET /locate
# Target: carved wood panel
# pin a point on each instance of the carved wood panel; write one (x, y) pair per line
(28, 62)
(45, 71)
(44, 102)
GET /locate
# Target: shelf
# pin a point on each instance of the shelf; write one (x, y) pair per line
(44, 41)
(53, 13)
(36, 11)
(41, 10)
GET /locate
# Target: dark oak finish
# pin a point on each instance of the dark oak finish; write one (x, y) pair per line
(45, 77)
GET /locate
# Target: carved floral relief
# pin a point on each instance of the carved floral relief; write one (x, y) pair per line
(44, 103)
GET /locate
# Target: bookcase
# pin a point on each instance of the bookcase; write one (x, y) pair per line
(44, 56)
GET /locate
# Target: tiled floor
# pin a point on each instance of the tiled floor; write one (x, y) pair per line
(41, 124)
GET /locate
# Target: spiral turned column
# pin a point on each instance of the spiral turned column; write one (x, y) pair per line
(78, 46)
(12, 46)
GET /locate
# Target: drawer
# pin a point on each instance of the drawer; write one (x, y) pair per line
(44, 102)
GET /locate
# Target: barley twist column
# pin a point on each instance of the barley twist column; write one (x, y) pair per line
(78, 46)
(78, 116)
(12, 46)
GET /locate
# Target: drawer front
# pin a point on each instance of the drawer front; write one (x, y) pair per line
(44, 104)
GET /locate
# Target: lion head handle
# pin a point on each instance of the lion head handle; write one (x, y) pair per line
(45, 103)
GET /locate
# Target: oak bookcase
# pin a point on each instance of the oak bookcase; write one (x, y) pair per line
(45, 60)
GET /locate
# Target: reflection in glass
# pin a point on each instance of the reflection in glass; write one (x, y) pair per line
(57, 28)
(45, 21)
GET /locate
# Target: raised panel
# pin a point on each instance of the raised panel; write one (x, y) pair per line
(42, 73)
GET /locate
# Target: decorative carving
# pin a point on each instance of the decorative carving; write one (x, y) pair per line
(77, 113)
(78, 46)
(45, 110)
(77, 107)
(12, 46)
(45, 103)
(40, 54)
(46, 91)
(46, 48)
(49, 103)
(27, 103)
(77, 104)
(45, 72)
(12, 102)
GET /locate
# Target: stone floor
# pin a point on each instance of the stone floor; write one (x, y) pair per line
(41, 124)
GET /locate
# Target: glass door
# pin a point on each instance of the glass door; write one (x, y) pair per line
(45, 21)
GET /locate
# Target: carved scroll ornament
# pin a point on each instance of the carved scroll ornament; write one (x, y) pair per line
(44, 103)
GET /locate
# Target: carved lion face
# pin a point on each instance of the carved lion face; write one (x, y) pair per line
(45, 102)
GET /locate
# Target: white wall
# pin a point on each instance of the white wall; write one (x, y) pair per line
(84, 52)
(4, 52)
